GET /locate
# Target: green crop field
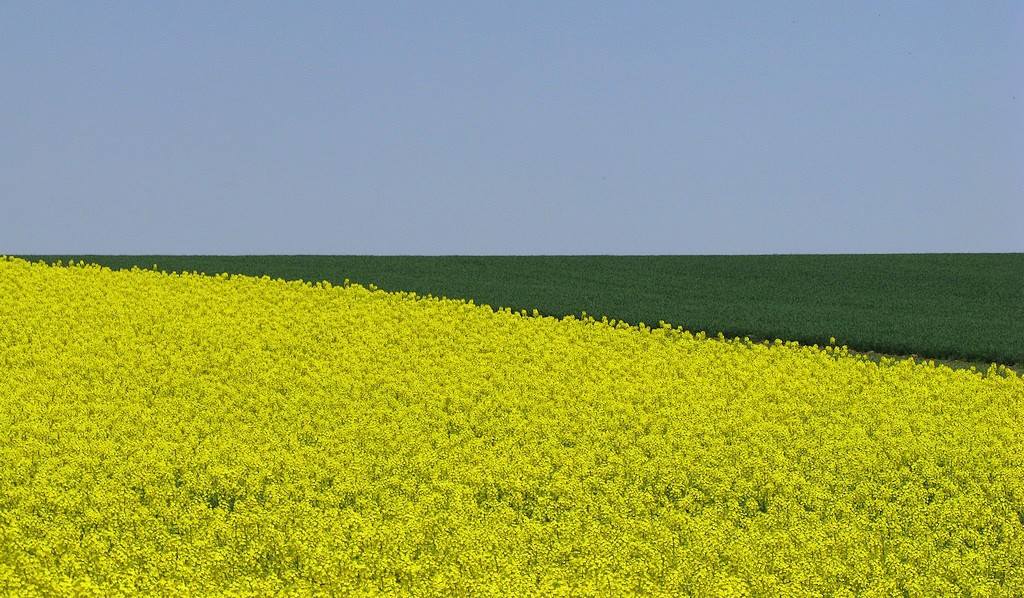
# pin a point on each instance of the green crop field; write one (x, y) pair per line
(967, 308)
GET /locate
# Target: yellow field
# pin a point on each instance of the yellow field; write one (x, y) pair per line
(216, 435)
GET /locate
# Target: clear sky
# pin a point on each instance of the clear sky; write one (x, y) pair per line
(486, 128)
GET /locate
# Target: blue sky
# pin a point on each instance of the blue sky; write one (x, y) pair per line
(482, 128)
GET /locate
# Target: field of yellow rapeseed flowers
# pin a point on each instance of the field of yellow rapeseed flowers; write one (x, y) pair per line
(173, 434)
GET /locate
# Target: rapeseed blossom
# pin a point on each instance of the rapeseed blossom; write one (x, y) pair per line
(184, 434)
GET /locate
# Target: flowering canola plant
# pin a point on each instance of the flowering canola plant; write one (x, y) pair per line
(184, 434)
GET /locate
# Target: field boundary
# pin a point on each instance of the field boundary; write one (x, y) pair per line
(962, 310)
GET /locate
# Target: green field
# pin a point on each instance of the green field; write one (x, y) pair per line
(959, 307)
